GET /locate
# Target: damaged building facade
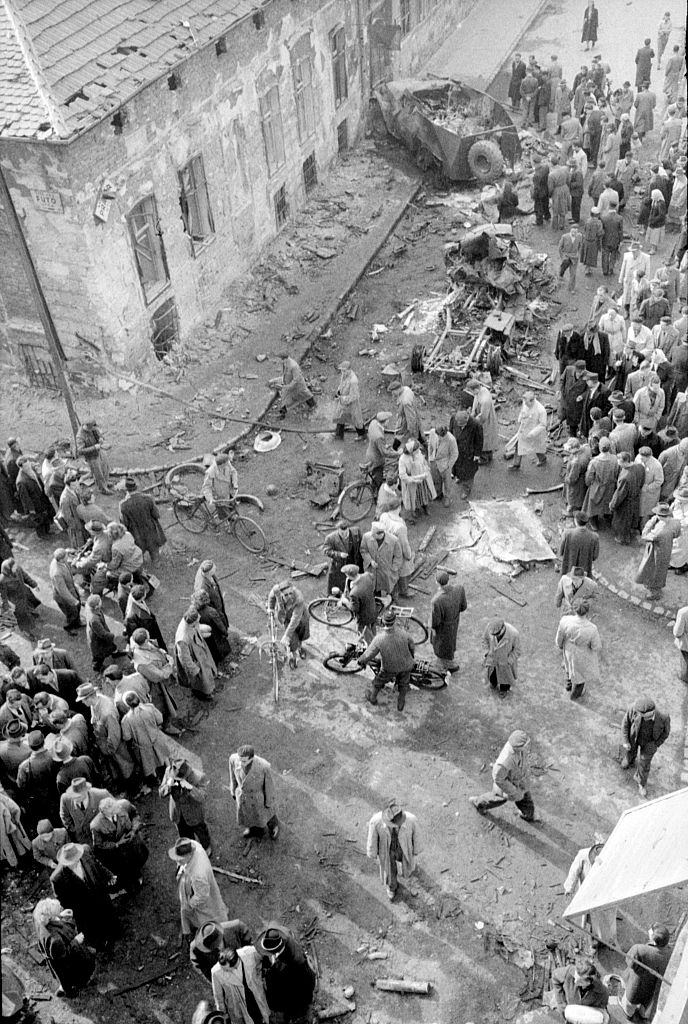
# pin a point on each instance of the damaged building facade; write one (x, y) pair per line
(152, 148)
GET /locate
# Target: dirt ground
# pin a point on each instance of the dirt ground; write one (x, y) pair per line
(487, 887)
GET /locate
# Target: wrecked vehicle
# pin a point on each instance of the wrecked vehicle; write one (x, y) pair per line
(460, 132)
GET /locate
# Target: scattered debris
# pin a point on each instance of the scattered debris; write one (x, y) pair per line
(421, 988)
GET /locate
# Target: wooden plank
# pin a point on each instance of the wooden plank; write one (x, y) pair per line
(505, 593)
(433, 563)
(429, 534)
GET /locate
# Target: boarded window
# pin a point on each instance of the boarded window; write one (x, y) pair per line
(310, 173)
(149, 251)
(302, 71)
(281, 206)
(405, 16)
(165, 328)
(193, 199)
(338, 50)
(273, 136)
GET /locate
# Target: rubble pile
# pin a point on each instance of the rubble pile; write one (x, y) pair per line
(490, 255)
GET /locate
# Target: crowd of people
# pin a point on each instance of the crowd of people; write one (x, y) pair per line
(77, 755)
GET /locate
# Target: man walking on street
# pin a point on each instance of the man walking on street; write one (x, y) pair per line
(445, 611)
(510, 778)
(377, 450)
(252, 789)
(502, 649)
(382, 557)
(393, 840)
(395, 649)
(442, 455)
(644, 729)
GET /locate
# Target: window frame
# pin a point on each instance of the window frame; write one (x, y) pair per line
(272, 128)
(340, 77)
(304, 96)
(153, 232)
(405, 17)
(195, 169)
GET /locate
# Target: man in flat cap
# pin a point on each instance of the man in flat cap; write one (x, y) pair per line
(502, 649)
(446, 606)
(510, 778)
(644, 729)
(377, 450)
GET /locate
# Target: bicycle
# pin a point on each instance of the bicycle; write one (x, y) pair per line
(423, 677)
(192, 514)
(332, 611)
(357, 498)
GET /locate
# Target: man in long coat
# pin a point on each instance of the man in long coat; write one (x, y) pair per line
(141, 730)
(342, 547)
(510, 778)
(117, 843)
(377, 450)
(200, 899)
(78, 807)
(469, 442)
(17, 587)
(540, 190)
(287, 975)
(518, 73)
(579, 546)
(80, 882)
(644, 729)
(639, 985)
(107, 733)
(89, 445)
(625, 502)
(574, 584)
(643, 63)
(483, 411)
(600, 924)
(673, 461)
(658, 533)
(238, 988)
(361, 598)
(532, 431)
(295, 391)
(206, 580)
(395, 526)
(196, 667)
(578, 458)
(65, 594)
(253, 791)
(348, 409)
(394, 841)
(382, 557)
(445, 612)
(186, 788)
(579, 641)
(501, 651)
(408, 426)
(140, 515)
(67, 511)
(573, 388)
(600, 478)
(652, 483)
(137, 615)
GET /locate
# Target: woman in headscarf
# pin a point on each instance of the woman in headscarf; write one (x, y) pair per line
(195, 664)
(14, 842)
(101, 640)
(656, 221)
(71, 961)
(417, 488)
(677, 205)
(32, 498)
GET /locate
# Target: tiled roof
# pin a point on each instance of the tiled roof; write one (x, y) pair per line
(70, 62)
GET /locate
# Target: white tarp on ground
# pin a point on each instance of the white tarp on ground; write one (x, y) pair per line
(514, 531)
(646, 852)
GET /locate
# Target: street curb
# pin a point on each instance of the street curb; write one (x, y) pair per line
(654, 607)
(536, 14)
(319, 328)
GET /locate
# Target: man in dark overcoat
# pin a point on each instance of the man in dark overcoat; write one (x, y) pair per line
(140, 515)
(445, 611)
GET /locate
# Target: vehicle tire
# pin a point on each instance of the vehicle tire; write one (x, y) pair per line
(334, 663)
(249, 534)
(485, 161)
(191, 514)
(356, 501)
(330, 614)
(429, 679)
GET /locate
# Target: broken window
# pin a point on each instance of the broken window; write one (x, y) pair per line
(302, 71)
(149, 251)
(405, 16)
(338, 50)
(193, 199)
(310, 173)
(281, 206)
(342, 136)
(165, 328)
(273, 135)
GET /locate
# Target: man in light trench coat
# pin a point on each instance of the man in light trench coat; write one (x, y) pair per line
(393, 839)
(253, 790)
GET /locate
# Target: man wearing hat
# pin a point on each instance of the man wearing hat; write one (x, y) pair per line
(655, 307)
(600, 478)
(502, 649)
(294, 390)
(69, 726)
(572, 389)
(579, 641)
(673, 461)
(633, 260)
(89, 445)
(238, 987)
(540, 190)
(78, 807)
(71, 767)
(442, 455)
(510, 778)
(574, 584)
(44, 703)
(107, 733)
(36, 781)
(665, 336)
(117, 843)
(65, 593)
(483, 411)
(200, 899)
(342, 547)
(568, 347)
(382, 557)
(186, 788)
(212, 938)
(639, 985)
(206, 581)
(377, 451)
(141, 730)
(48, 843)
(596, 397)
(617, 400)
(393, 840)
(46, 653)
(408, 425)
(253, 790)
(140, 516)
(80, 882)
(18, 707)
(394, 649)
(658, 533)
(446, 606)
(359, 595)
(643, 729)
(579, 546)
(98, 548)
(62, 681)
(287, 975)
(624, 435)
(13, 750)
(652, 483)
(348, 402)
(287, 602)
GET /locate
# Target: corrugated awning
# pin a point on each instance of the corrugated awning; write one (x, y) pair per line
(646, 852)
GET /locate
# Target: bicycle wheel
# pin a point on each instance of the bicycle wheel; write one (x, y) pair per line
(335, 663)
(428, 679)
(329, 612)
(412, 625)
(191, 514)
(356, 501)
(248, 533)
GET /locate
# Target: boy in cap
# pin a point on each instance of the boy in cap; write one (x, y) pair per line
(510, 778)
(394, 841)
(644, 729)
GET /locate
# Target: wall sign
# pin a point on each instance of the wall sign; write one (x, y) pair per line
(49, 202)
